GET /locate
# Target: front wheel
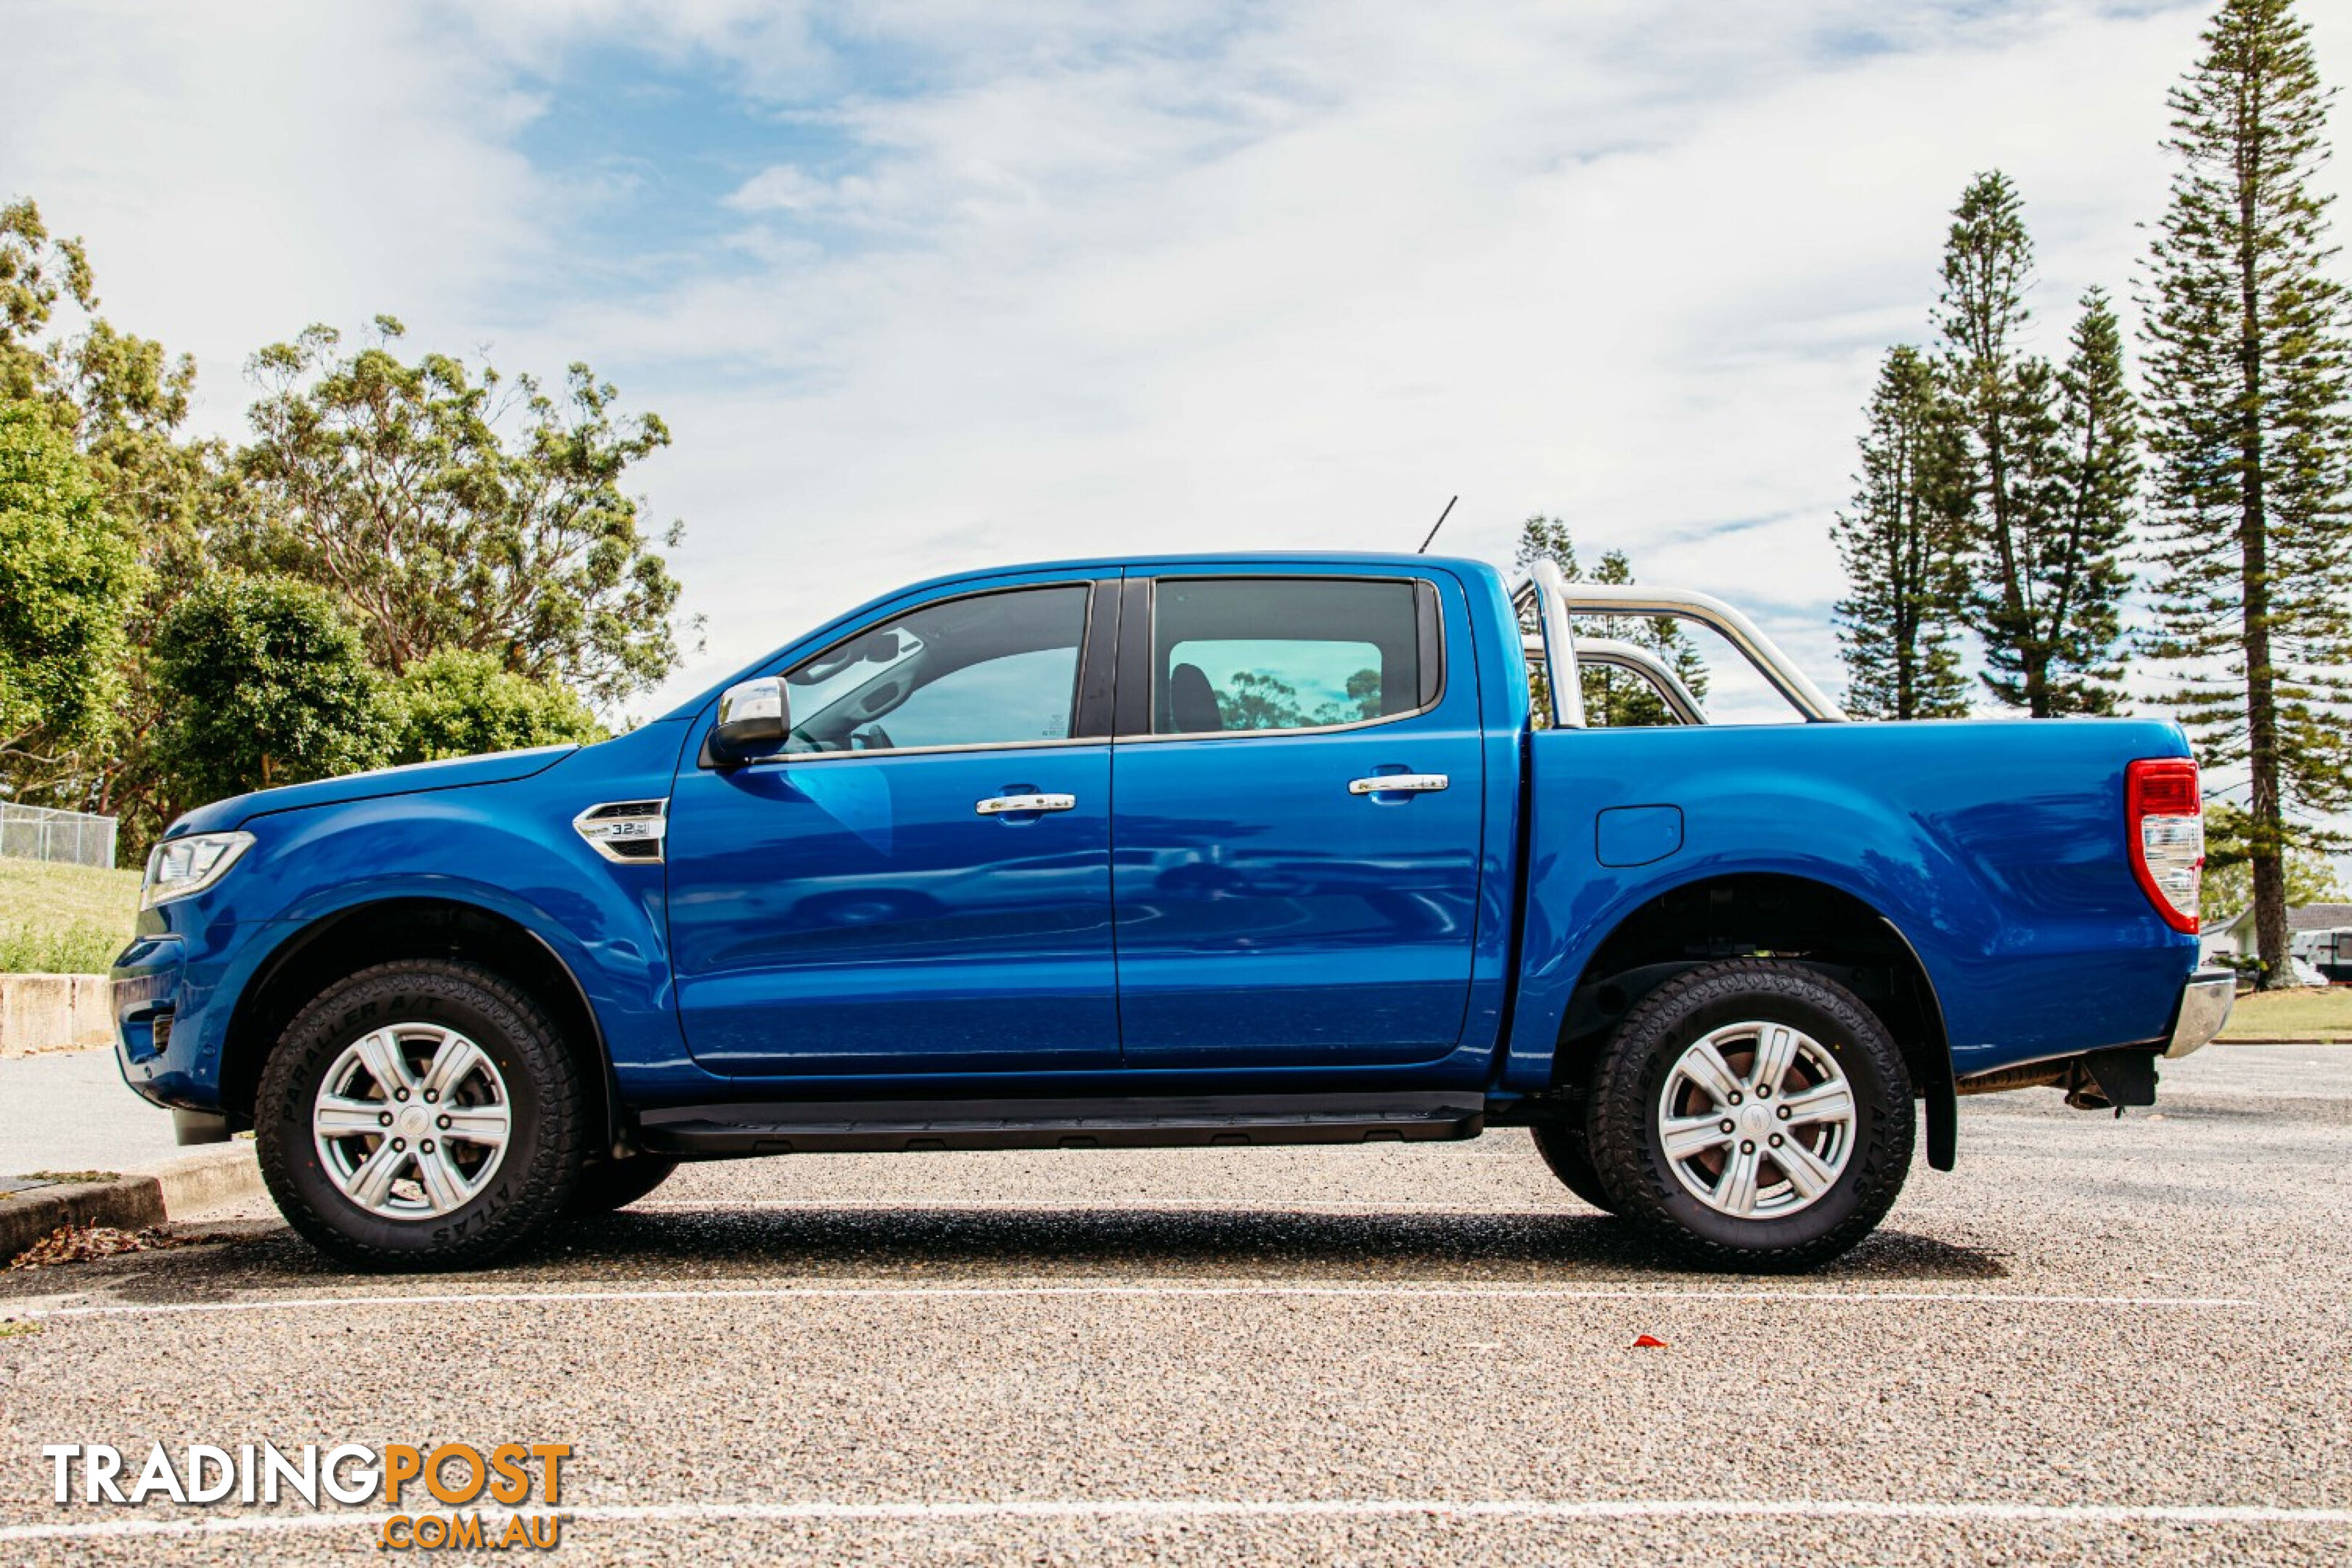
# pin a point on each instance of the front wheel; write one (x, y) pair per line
(420, 1114)
(1753, 1114)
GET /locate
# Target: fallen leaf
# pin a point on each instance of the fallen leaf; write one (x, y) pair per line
(81, 1243)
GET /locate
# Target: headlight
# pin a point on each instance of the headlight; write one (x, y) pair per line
(179, 866)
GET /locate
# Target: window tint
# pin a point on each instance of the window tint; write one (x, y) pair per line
(992, 669)
(1281, 654)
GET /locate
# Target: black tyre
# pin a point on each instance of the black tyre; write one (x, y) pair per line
(420, 1114)
(1563, 1148)
(1753, 1115)
(616, 1184)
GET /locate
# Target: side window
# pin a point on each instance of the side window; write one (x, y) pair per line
(1295, 653)
(989, 669)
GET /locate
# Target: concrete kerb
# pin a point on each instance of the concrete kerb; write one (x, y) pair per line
(132, 1200)
(2286, 1040)
(40, 1012)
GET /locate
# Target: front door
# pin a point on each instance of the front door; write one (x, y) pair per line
(1278, 906)
(883, 897)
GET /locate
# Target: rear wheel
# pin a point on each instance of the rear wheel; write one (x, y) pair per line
(1753, 1114)
(616, 1184)
(420, 1114)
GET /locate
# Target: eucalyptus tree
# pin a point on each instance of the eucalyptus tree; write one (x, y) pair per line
(395, 484)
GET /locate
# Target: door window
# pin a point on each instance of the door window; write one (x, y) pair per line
(989, 669)
(1273, 654)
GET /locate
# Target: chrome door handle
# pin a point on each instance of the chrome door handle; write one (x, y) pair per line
(998, 804)
(1397, 783)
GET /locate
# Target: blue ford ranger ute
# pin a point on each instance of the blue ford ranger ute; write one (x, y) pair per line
(1183, 852)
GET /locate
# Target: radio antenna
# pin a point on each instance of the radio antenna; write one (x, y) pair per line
(1435, 526)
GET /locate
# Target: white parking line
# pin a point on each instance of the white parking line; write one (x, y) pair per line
(1434, 1291)
(1147, 1508)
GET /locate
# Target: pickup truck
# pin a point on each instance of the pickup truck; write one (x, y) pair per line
(1179, 852)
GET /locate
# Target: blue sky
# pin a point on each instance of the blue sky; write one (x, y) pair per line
(928, 286)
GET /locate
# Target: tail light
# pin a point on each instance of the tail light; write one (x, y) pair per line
(2165, 816)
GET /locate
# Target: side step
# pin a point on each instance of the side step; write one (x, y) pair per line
(1192, 1121)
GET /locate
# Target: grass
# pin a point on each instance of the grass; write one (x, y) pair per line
(63, 920)
(2309, 1013)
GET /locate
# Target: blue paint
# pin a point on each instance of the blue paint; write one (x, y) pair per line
(1216, 912)
(1268, 918)
(1636, 835)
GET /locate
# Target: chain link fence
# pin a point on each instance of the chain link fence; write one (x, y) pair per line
(42, 833)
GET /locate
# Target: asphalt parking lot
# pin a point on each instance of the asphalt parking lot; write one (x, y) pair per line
(2099, 1340)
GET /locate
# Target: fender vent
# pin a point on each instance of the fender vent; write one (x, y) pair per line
(626, 830)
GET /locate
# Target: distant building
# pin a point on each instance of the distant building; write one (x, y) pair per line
(2319, 935)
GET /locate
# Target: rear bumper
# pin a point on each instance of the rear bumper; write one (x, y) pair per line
(2205, 1003)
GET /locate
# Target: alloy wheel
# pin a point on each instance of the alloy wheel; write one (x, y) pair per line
(410, 1120)
(1757, 1120)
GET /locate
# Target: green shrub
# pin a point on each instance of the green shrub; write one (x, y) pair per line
(267, 685)
(460, 704)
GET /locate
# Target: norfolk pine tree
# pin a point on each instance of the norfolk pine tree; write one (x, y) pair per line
(2095, 482)
(2249, 369)
(1611, 697)
(2047, 582)
(1618, 698)
(1902, 544)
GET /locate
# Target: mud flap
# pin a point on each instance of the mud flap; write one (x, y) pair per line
(1942, 1103)
(2115, 1077)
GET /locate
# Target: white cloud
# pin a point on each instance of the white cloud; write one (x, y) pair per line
(1301, 295)
(240, 171)
(781, 188)
(1101, 280)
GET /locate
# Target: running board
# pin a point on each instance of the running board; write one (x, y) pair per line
(1196, 1122)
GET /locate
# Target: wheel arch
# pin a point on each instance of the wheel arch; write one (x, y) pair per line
(387, 929)
(1801, 918)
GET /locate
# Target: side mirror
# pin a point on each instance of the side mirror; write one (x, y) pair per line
(753, 717)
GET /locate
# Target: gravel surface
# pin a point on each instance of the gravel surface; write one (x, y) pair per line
(2099, 1340)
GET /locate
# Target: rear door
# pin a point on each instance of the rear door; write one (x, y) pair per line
(920, 882)
(1276, 904)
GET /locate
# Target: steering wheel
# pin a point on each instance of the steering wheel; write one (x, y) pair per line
(872, 738)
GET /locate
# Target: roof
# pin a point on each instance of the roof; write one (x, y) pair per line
(1383, 562)
(2299, 917)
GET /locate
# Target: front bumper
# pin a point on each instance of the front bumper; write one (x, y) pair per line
(149, 978)
(168, 1048)
(2205, 1003)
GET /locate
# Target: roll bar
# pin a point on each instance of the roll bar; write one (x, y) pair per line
(1636, 660)
(1557, 602)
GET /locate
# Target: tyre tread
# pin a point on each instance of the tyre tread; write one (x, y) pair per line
(1617, 1127)
(544, 1188)
(1564, 1149)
